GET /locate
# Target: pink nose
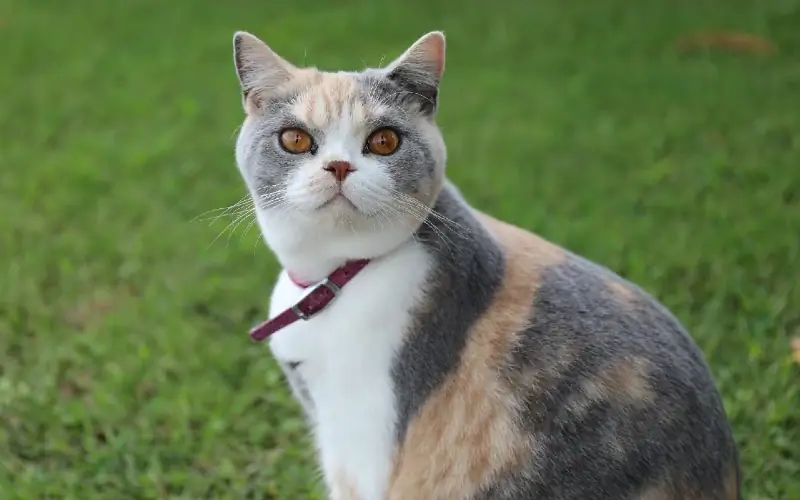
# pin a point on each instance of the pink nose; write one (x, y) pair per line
(339, 169)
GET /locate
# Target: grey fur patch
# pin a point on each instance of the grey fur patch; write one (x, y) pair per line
(397, 89)
(605, 448)
(425, 94)
(298, 386)
(272, 165)
(413, 163)
(467, 273)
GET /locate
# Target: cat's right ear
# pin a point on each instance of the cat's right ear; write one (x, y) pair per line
(261, 71)
(419, 70)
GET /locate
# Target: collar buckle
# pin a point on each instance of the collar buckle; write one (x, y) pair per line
(317, 299)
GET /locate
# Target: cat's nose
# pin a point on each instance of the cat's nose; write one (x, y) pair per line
(339, 169)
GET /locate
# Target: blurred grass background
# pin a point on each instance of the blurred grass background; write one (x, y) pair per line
(125, 367)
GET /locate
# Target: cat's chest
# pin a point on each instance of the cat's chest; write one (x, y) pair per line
(369, 317)
(343, 358)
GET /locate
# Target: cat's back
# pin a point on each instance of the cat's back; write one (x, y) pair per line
(573, 383)
(579, 310)
(615, 396)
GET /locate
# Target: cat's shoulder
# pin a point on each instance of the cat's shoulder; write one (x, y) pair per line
(570, 303)
(563, 279)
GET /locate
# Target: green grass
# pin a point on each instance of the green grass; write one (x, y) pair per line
(125, 367)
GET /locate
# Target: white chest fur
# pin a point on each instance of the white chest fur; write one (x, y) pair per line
(345, 355)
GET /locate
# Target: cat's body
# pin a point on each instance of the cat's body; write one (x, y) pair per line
(470, 359)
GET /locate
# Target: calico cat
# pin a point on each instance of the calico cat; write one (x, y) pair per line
(439, 353)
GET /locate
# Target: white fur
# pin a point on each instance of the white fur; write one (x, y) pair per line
(346, 353)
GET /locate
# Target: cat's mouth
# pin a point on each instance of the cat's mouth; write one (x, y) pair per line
(338, 200)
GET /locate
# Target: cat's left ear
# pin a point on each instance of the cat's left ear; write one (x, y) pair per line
(419, 70)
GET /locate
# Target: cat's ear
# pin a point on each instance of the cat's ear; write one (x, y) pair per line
(259, 68)
(419, 70)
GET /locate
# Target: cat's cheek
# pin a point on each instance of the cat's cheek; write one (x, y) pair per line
(371, 187)
(309, 186)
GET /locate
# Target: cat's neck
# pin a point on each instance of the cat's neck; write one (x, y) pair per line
(310, 270)
(454, 234)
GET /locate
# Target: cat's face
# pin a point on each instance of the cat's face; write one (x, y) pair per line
(353, 159)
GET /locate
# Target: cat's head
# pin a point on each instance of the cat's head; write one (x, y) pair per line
(345, 164)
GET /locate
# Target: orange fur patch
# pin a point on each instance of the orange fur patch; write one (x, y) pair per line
(732, 483)
(330, 97)
(623, 380)
(659, 491)
(465, 433)
(655, 492)
(622, 292)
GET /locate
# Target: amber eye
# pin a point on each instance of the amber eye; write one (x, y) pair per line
(383, 142)
(296, 141)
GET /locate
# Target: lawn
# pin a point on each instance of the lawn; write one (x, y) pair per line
(125, 367)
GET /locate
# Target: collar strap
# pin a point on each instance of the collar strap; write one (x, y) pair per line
(320, 296)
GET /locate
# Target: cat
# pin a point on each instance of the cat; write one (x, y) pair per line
(438, 353)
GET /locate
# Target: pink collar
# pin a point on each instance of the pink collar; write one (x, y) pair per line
(315, 301)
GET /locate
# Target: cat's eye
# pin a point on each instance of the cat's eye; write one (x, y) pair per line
(295, 140)
(384, 141)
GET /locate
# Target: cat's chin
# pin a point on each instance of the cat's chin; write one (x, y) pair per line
(337, 213)
(314, 243)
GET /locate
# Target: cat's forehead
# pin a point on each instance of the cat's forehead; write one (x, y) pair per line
(326, 98)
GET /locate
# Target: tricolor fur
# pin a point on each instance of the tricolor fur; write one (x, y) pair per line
(470, 359)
